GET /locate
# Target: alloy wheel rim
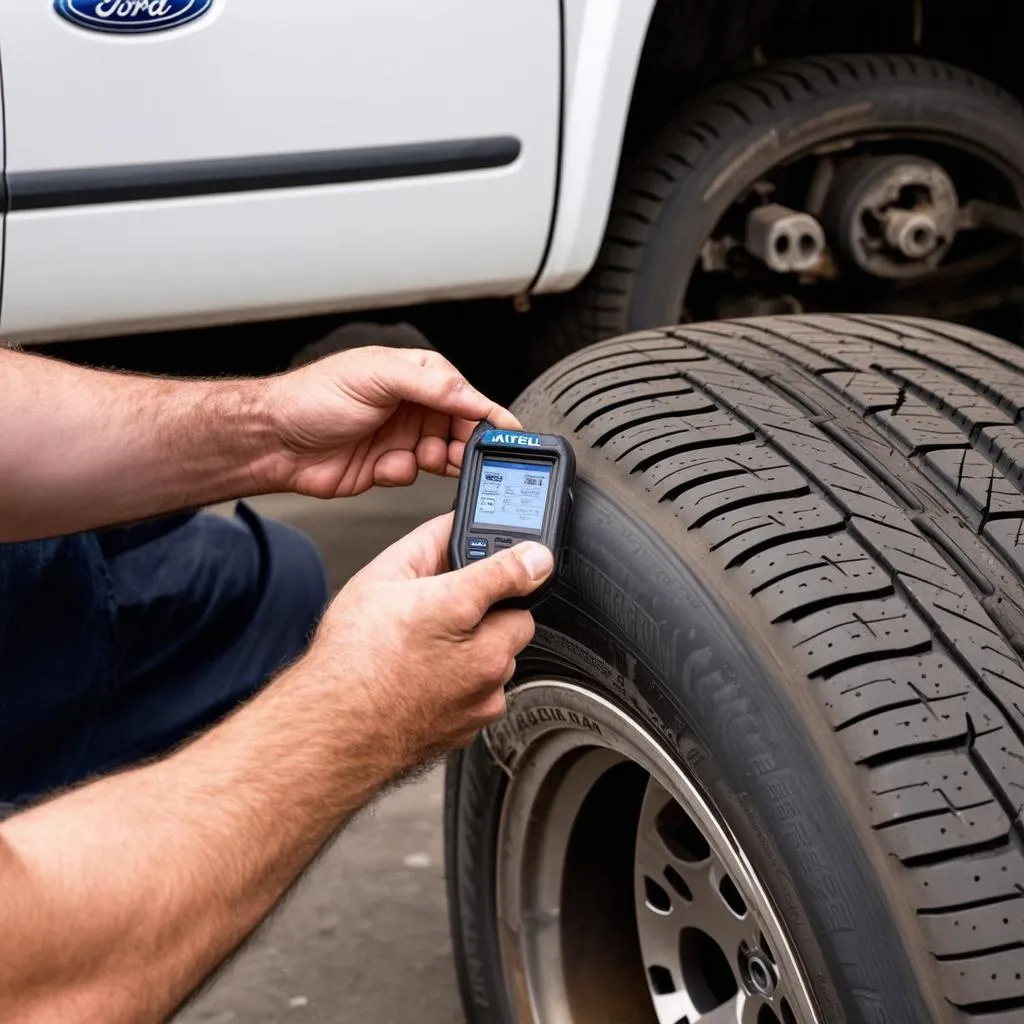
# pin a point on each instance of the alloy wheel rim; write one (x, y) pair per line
(673, 926)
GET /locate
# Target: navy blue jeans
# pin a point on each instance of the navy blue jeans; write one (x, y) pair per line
(117, 646)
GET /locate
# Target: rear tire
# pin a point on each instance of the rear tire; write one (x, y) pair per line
(674, 191)
(797, 573)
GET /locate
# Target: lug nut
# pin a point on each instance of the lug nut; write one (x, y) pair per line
(760, 973)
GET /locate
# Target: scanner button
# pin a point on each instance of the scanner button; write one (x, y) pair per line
(477, 544)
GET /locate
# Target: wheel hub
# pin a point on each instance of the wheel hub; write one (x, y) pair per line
(895, 216)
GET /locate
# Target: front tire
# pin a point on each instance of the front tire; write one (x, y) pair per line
(794, 605)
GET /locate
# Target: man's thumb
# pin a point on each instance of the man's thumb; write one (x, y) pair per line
(515, 572)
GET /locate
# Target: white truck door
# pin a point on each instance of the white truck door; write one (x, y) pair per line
(177, 161)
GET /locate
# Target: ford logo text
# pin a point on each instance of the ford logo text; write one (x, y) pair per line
(129, 16)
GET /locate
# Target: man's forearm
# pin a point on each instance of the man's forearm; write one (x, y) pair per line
(119, 898)
(81, 448)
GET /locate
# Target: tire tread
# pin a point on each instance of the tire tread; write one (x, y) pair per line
(810, 456)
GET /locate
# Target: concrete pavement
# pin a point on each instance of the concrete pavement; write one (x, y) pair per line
(364, 938)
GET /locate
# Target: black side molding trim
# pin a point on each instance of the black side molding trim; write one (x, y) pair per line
(44, 190)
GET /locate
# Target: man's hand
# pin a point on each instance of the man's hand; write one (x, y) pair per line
(370, 416)
(427, 655)
(70, 438)
(120, 897)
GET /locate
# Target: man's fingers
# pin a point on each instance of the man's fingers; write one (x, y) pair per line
(435, 385)
(421, 356)
(438, 386)
(493, 649)
(396, 469)
(435, 428)
(456, 453)
(515, 572)
(432, 454)
(424, 552)
(511, 629)
(497, 416)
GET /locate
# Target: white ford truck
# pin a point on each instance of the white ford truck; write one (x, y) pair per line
(764, 761)
(615, 164)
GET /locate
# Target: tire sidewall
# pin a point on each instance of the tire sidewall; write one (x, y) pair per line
(916, 109)
(615, 624)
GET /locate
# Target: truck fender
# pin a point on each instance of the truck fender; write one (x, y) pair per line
(603, 41)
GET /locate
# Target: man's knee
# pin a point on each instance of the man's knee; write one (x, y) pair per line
(296, 590)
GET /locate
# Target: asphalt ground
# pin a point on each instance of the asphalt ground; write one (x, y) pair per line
(364, 937)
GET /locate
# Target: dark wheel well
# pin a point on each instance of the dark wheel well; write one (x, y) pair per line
(694, 43)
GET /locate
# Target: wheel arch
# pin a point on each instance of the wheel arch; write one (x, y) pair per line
(628, 62)
(602, 45)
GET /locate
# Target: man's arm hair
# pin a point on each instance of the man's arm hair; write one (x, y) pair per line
(117, 899)
(82, 448)
(120, 897)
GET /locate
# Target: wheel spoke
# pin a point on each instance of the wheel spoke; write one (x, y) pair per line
(749, 1008)
(659, 937)
(727, 1013)
(741, 1009)
(688, 881)
(729, 918)
(687, 902)
(676, 836)
(674, 1007)
(702, 892)
(698, 888)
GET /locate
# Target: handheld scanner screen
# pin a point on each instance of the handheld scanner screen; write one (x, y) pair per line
(515, 486)
(512, 494)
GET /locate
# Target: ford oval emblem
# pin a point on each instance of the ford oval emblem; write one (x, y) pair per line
(131, 15)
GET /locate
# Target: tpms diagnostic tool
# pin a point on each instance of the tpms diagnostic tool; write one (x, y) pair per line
(514, 487)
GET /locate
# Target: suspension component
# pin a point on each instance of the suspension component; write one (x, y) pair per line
(911, 232)
(893, 217)
(786, 240)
